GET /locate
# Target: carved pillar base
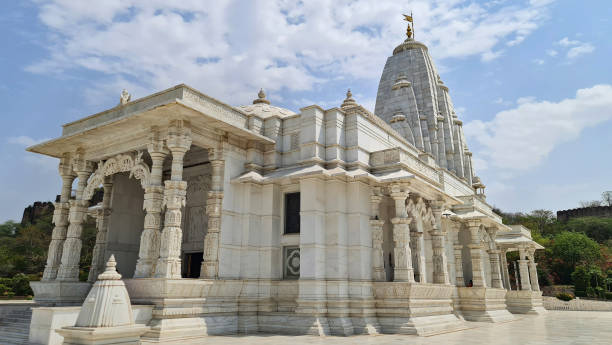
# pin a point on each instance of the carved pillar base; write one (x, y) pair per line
(169, 262)
(418, 259)
(496, 281)
(403, 271)
(150, 237)
(71, 253)
(533, 272)
(440, 272)
(459, 264)
(54, 255)
(377, 251)
(214, 206)
(478, 278)
(524, 272)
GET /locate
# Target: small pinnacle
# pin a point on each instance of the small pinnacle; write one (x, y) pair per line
(349, 101)
(262, 97)
(110, 272)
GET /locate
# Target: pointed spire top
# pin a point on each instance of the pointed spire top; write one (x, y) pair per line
(110, 272)
(262, 97)
(349, 101)
(410, 28)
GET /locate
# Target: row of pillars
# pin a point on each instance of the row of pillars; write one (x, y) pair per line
(403, 246)
(160, 249)
(403, 270)
(527, 270)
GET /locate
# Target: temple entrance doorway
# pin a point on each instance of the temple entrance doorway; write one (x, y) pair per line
(125, 224)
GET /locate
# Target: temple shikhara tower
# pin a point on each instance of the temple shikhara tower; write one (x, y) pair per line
(240, 219)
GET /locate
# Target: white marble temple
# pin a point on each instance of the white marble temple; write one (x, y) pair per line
(259, 219)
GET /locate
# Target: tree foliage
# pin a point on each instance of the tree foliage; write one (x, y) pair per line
(580, 241)
(23, 252)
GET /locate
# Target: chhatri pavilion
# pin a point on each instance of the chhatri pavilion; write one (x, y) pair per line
(240, 219)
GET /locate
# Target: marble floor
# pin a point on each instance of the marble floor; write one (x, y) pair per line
(555, 327)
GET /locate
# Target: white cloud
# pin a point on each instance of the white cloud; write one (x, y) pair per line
(581, 49)
(566, 42)
(575, 47)
(539, 61)
(24, 140)
(552, 52)
(231, 49)
(518, 139)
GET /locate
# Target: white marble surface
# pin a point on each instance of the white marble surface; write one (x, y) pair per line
(555, 327)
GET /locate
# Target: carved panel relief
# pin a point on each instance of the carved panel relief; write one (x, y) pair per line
(195, 220)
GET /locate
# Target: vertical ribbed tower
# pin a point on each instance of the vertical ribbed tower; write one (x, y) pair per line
(414, 100)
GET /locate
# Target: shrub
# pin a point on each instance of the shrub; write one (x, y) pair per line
(580, 293)
(565, 296)
(21, 285)
(609, 295)
(4, 290)
(590, 292)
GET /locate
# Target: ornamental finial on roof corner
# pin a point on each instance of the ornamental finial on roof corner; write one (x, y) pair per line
(125, 97)
(261, 97)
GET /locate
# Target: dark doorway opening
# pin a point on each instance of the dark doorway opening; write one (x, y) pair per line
(193, 262)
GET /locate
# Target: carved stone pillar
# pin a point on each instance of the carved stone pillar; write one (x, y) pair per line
(478, 278)
(458, 252)
(504, 269)
(495, 273)
(60, 219)
(154, 194)
(102, 217)
(403, 271)
(418, 260)
(71, 253)
(169, 262)
(524, 269)
(376, 226)
(494, 260)
(210, 264)
(440, 265)
(533, 272)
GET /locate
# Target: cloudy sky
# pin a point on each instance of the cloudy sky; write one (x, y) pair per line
(532, 80)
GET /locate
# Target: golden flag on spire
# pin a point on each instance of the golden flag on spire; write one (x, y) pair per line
(407, 18)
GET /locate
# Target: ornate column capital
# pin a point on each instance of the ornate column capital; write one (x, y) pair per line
(179, 136)
(216, 154)
(156, 143)
(399, 191)
(65, 166)
(492, 231)
(473, 223)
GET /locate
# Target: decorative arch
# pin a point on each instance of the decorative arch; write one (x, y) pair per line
(124, 162)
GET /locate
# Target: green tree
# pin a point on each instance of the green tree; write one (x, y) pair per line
(599, 229)
(571, 249)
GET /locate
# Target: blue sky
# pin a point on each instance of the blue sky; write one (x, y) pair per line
(532, 80)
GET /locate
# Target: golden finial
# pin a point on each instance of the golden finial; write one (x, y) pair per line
(409, 30)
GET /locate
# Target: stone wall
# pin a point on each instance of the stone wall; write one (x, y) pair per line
(595, 211)
(553, 303)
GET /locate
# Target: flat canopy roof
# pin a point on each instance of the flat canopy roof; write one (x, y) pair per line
(137, 117)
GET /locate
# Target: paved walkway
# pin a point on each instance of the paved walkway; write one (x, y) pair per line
(555, 327)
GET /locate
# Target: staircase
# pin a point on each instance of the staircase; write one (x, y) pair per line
(15, 326)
